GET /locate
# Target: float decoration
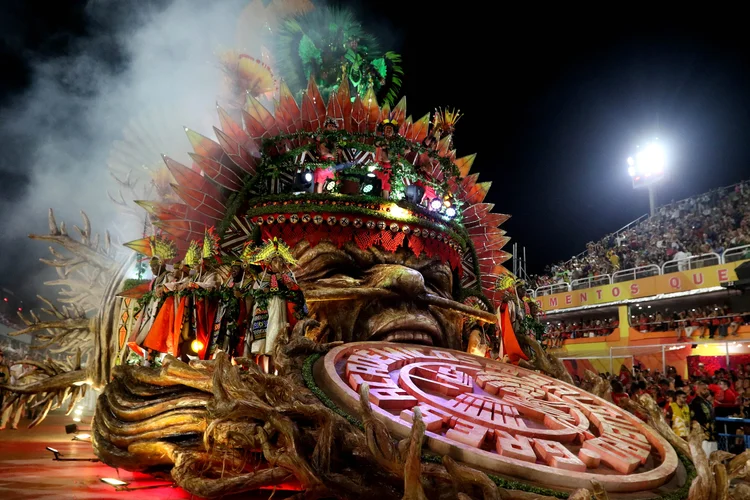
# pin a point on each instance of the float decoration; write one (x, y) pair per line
(364, 263)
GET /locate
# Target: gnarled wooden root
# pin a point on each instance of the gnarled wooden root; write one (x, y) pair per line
(543, 361)
(655, 417)
(221, 430)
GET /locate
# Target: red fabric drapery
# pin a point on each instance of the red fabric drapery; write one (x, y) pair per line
(511, 347)
(205, 315)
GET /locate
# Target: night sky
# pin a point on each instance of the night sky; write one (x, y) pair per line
(554, 102)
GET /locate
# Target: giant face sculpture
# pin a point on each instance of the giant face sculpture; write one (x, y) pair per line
(376, 295)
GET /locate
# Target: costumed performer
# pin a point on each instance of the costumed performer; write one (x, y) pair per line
(506, 321)
(206, 294)
(424, 166)
(236, 301)
(388, 130)
(328, 152)
(278, 301)
(164, 335)
(162, 250)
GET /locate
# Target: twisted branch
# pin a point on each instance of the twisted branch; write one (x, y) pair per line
(84, 251)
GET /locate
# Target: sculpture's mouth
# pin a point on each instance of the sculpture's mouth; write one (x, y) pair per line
(409, 328)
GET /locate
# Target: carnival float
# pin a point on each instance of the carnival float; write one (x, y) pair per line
(329, 311)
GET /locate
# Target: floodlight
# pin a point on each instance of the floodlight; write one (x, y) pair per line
(371, 186)
(414, 193)
(436, 204)
(450, 212)
(648, 161)
(303, 182)
(76, 419)
(120, 485)
(82, 437)
(113, 482)
(58, 455)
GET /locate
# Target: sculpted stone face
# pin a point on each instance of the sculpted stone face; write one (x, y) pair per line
(376, 295)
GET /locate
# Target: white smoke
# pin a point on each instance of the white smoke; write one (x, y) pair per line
(143, 72)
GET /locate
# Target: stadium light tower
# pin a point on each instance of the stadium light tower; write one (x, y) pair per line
(648, 169)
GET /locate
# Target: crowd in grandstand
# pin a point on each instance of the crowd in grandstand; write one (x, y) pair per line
(700, 321)
(701, 397)
(559, 331)
(709, 223)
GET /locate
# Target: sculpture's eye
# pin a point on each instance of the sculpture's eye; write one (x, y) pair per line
(327, 265)
(438, 279)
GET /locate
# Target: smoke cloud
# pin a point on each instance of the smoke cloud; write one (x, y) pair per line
(145, 70)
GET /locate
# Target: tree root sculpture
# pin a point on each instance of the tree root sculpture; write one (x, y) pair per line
(48, 386)
(715, 474)
(222, 429)
(90, 274)
(543, 361)
(596, 385)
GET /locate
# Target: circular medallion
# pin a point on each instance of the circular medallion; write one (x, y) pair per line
(344, 221)
(294, 218)
(281, 219)
(331, 220)
(370, 224)
(270, 219)
(381, 225)
(500, 417)
(394, 227)
(417, 232)
(318, 219)
(357, 223)
(305, 218)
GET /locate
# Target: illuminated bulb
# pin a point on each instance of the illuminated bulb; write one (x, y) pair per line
(450, 212)
(436, 204)
(77, 419)
(196, 345)
(631, 161)
(397, 211)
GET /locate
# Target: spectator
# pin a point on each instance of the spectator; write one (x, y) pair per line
(678, 415)
(701, 411)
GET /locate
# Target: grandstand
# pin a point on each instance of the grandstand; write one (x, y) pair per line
(662, 291)
(703, 230)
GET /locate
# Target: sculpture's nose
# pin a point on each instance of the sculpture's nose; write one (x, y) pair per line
(401, 279)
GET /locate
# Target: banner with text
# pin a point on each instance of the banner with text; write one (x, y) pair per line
(683, 281)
